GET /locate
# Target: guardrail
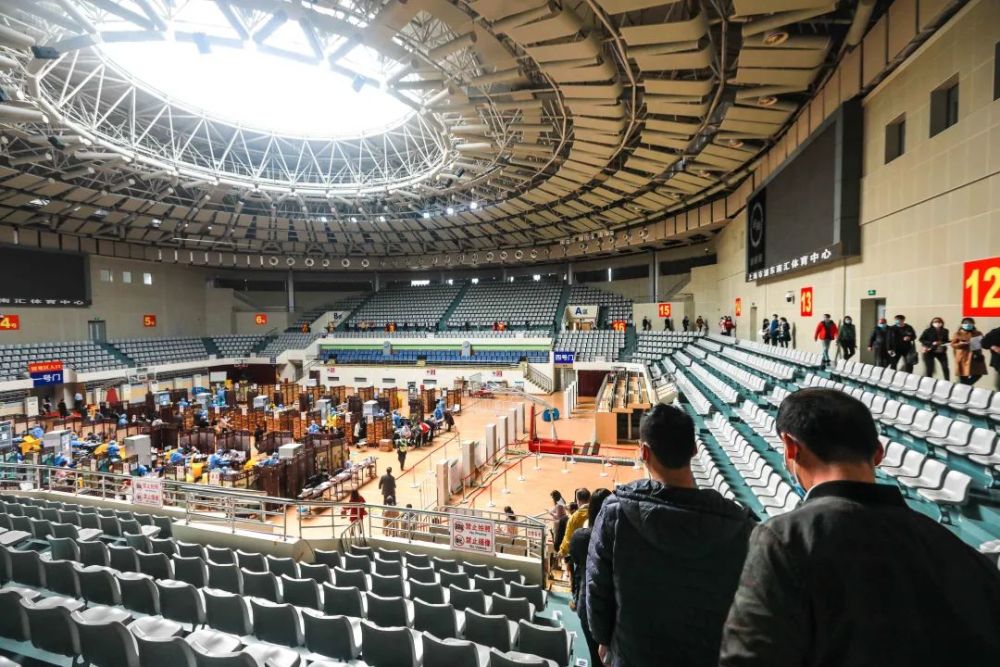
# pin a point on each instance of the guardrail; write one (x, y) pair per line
(238, 510)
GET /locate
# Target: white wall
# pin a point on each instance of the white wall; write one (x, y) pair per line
(922, 215)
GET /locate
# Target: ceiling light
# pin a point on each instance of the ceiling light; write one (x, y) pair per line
(775, 38)
(767, 101)
(474, 205)
(38, 203)
(450, 211)
(735, 143)
(427, 214)
(353, 219)
(324, 219)
(381, 218)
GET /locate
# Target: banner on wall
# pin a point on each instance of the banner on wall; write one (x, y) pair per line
(981, 288)
(663, 310)
(581, 312)
(10, 322)
(806, 302)
(738, 307)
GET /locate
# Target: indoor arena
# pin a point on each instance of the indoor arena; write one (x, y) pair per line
(499, 333)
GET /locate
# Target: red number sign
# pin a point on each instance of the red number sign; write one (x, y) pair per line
(806, 302)
(618, 325)
(664, 309)
(149, 320)
(10, 322)
(260, 319)
(981, 288)
(738, 308)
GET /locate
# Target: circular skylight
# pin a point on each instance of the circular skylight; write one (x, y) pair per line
(293, 85)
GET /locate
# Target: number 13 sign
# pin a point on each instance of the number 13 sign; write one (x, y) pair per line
(981, 288)
(806, 302)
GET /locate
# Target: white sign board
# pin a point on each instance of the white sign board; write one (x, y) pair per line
(469, 533)
(147, 491)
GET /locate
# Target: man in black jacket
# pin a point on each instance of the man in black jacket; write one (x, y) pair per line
(902, 347)
(853, 577)
(991, 342)
(665, 557)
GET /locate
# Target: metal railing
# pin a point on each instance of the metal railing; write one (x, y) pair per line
(246, 511)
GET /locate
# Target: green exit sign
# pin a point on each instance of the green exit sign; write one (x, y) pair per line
(871, 292)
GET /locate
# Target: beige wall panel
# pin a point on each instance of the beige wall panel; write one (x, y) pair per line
(873, 51)
(902, 26)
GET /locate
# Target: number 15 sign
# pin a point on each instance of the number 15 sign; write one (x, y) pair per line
(981, 288)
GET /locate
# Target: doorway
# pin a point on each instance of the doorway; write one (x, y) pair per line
(97, 330)
(753, 323)
(872, 310)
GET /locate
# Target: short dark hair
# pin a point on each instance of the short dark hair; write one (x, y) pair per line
(597, 499)
(669, 432)
(582, 495)
(834, 426)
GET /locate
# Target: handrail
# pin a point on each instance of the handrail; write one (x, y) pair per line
(237, 509)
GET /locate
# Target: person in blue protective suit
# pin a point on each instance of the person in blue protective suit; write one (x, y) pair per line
(439, 411)
(140, 471)
(314, 427)
(113, 451)
(214, 461)
(177, 458)
(397, 419)
(37, 432)
(59, 461)
(122, 421)
(183, 403)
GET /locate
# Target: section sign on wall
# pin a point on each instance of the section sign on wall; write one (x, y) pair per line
(472, 534)
(564, 356)
(45, 373)
(981, 288)
(738, 307)
(149, 320)
(260, 319)
(663, 309)
(806, 302)
(10, 322)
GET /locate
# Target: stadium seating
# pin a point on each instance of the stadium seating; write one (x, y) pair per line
(592, 345)
(439, 357)
(417, 306)
(84, 356)
(150, 351)
(652, 345)
(518, 303)
(163, 619)
(288, 341)
(236, 346)
(615, 306)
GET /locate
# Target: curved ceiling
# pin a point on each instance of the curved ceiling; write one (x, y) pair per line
(531, 123)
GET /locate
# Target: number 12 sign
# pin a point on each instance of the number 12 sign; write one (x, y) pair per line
(981, 288)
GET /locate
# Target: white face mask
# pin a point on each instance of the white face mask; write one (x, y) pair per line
(938, 325)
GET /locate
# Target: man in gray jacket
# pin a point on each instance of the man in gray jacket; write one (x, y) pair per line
(665, 557)
(854, 577)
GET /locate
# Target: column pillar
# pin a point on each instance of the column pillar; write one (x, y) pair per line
(290, 285)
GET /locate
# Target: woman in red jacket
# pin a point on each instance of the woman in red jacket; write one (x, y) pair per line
(356, 512)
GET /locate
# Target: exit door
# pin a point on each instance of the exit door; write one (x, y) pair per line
(753, 323)
(872, 310)
(97, 330)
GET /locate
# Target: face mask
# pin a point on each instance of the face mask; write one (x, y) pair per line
(881, 326)
(899, 323)
(968, 327)
(799, 489)
(938, 325)
(847, 321)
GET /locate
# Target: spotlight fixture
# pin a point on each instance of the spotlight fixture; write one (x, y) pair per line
(767, 101)
(450, 211)
(427, 214)
(775, 38)
(735, 143)
(381, 218)
(474, 205)
(353, 219)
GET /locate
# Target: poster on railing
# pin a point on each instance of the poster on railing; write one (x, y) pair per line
(147, 491)
(473, 534)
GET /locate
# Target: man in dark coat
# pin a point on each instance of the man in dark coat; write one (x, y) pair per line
(991, 341)
(902, 347)
(879, 343)
(854, 577)
(665, 557)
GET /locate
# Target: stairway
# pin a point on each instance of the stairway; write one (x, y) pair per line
(443, 322)
(561, 309)
(265, 341)
(211, 347)
(631, 343)
(343, 325)
(117, 354)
